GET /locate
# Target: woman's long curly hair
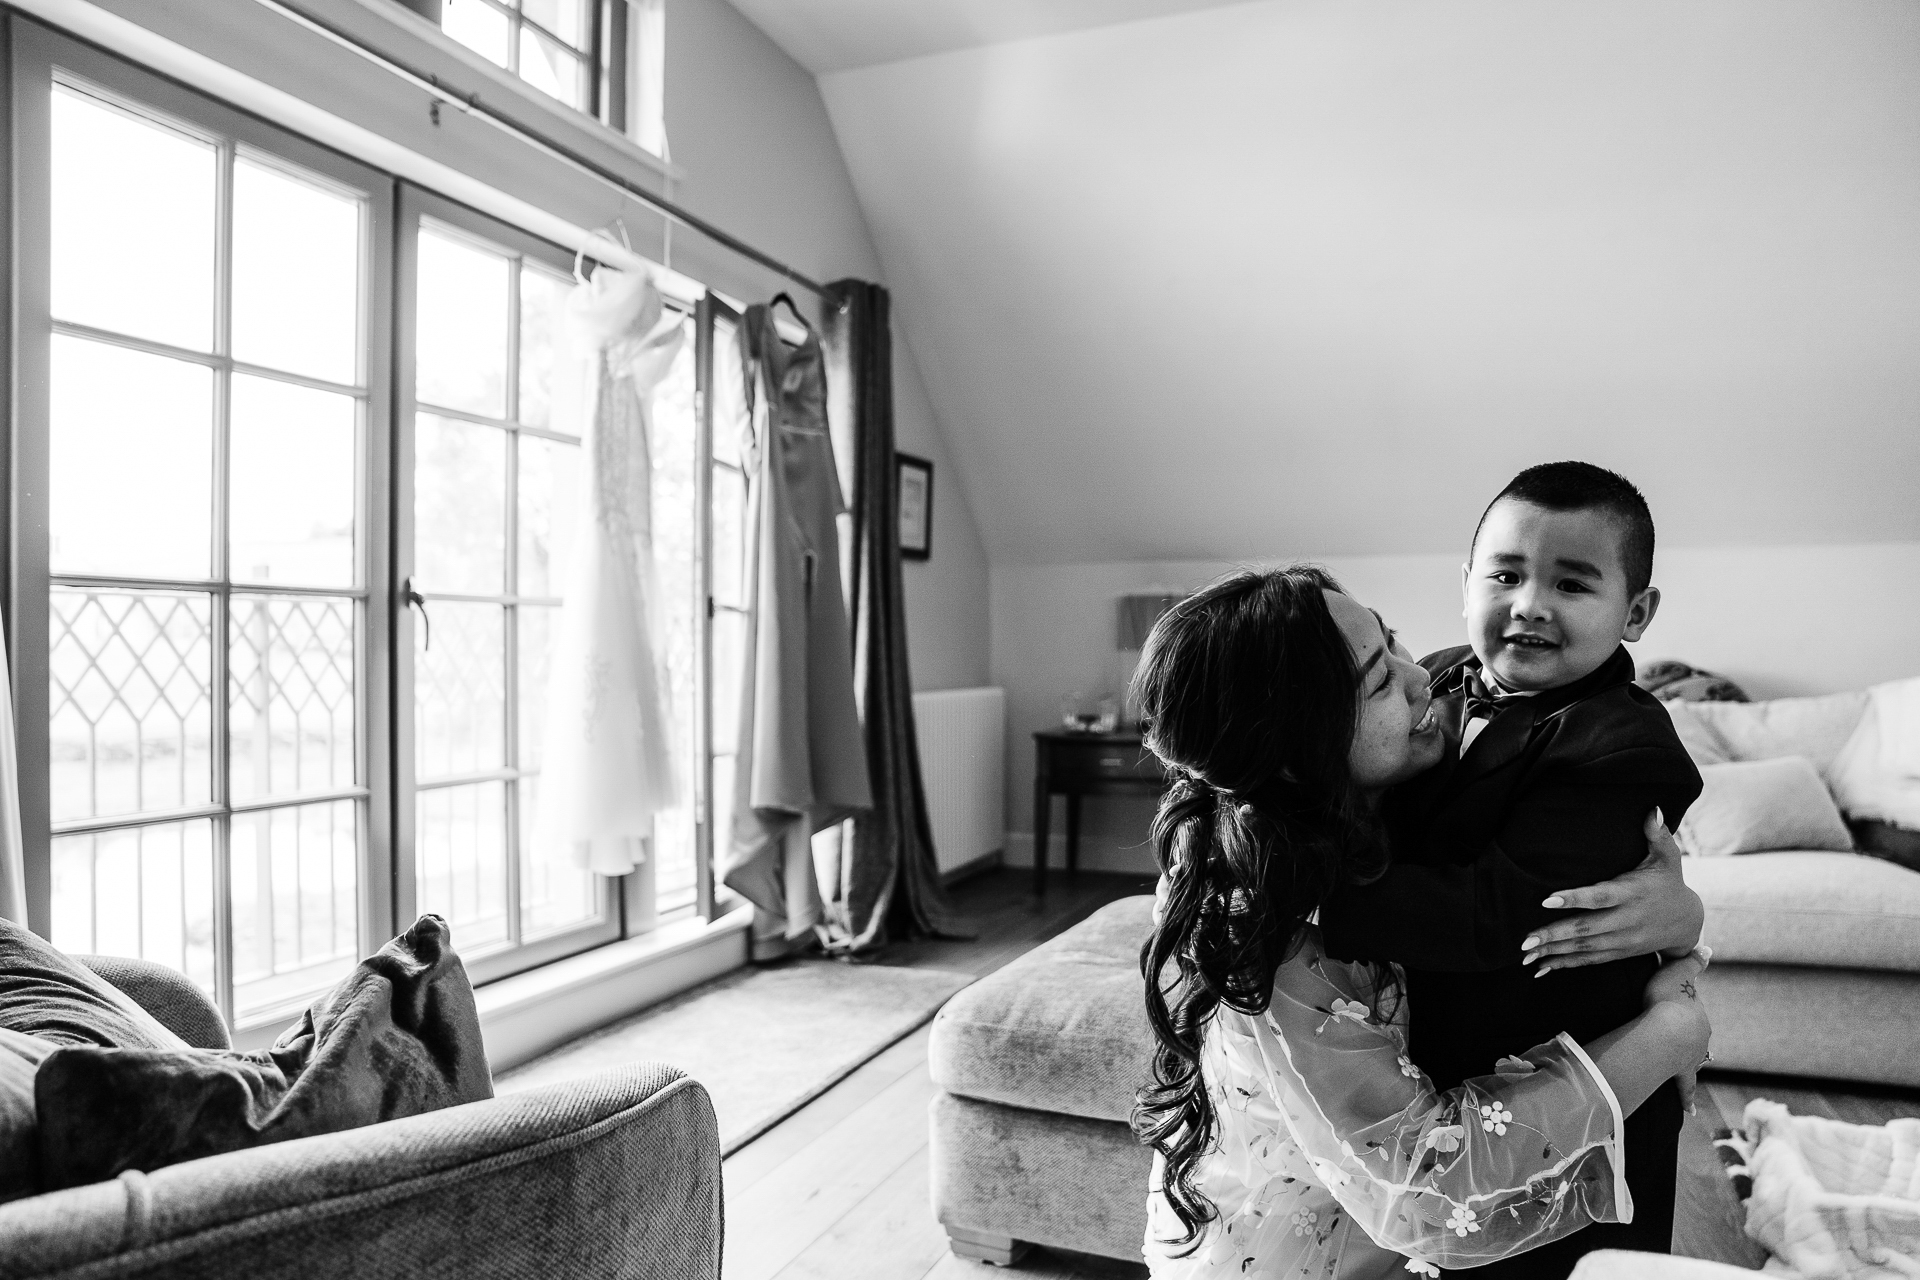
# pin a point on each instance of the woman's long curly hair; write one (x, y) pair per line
(1248, 693)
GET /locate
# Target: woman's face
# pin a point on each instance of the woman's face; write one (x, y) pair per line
(1394, 736)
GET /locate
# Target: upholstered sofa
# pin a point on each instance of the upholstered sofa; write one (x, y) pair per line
(1816, 968)
(617, 1174)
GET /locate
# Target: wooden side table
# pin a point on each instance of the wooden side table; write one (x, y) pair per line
(1084, 764)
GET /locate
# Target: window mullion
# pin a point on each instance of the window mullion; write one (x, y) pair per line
(220, 614)
(510, 646)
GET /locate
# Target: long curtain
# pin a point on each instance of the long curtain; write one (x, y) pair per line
(884, 883)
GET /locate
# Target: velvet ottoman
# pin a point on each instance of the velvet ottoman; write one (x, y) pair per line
(1037, 1067)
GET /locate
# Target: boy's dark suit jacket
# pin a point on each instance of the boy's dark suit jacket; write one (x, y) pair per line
(1553, 794)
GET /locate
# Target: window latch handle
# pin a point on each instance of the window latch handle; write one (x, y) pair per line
(417, 601)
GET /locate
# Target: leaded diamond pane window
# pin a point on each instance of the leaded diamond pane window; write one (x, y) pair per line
(207, 421)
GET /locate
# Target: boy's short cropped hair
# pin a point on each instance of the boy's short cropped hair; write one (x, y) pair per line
(1581, 486)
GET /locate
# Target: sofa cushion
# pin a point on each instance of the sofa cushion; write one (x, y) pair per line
(45, 992)
(1701, 742)
(1061, 1029)
(1816, 728)
(1754, 806)
(1832, 910)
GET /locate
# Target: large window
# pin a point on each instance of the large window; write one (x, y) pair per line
(208, 416)
(296, 506)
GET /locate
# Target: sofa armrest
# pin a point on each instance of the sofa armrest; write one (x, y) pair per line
(168, 995)
(616, 1174)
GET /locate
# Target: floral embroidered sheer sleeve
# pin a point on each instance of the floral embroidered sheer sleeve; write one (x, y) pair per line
(1323, 1116)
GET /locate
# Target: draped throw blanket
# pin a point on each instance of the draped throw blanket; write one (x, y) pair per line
(884, 882)
(608, 765)
(399, 1036)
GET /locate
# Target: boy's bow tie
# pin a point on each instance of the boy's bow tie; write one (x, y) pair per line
(1483, 701)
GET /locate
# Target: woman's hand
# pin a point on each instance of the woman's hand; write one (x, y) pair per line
(1646, 910)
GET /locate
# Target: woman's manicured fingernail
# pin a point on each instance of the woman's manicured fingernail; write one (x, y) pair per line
(1555, 901)
(1531, 944)
(1543, 971)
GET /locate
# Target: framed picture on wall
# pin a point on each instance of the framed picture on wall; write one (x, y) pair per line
(915, 505)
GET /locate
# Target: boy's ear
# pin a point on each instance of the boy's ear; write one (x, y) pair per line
(1465, 569)
(1640, 613)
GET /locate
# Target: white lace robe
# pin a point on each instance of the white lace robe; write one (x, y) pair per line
(1336, 1157)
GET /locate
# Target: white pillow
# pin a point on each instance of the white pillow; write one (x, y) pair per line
(1877, 773)
(1756, 806)
(1701, 742)
(1816, 728)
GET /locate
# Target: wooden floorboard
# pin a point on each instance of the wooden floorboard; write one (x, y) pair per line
(773, 1148)
(806, 1196)
(839, 1190)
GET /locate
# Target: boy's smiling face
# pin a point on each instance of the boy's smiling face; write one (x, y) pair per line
(1547, 597)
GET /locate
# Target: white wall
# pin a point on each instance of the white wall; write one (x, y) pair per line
(747, 126)
(1779, 620)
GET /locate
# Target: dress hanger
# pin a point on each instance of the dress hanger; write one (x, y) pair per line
(787, 298)
(579, 255)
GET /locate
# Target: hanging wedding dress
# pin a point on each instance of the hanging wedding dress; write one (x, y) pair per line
(608, 768)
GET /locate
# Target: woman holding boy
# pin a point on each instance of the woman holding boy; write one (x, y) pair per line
(1295, 1135)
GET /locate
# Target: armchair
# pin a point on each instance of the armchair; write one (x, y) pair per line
(617, 1174)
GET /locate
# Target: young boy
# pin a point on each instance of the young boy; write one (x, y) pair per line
(1554, 760)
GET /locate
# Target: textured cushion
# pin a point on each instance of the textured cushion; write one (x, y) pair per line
(20, 1057)
(168, 995)
(45, 992)
(1877, 774)
(398, 1036)
(1062, 1029)
(1816, 728)
(1835, 910)
(1753, 806)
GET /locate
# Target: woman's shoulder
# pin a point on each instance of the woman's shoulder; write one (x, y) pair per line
(1309, 972)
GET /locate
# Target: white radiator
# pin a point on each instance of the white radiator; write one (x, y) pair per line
(963, 739)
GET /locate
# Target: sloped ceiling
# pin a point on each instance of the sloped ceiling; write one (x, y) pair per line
(1316, 276)
(837, 35)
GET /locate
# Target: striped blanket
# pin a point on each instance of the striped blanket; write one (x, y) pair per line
(1830, 1201)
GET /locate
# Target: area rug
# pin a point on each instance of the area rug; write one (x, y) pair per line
(764, 1041)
